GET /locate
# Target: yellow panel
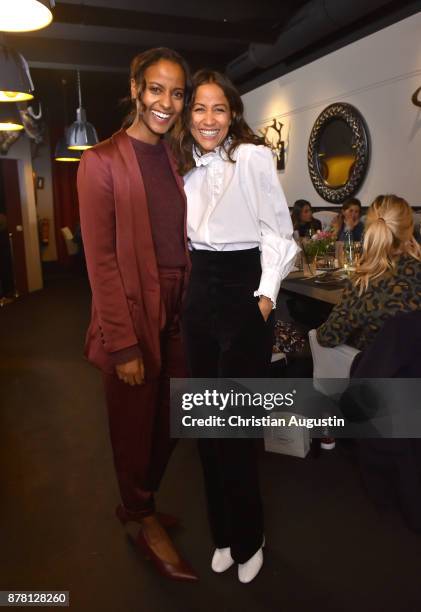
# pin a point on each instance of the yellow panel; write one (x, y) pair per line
(337, 170)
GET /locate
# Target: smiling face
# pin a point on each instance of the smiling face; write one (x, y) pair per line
(160, 102)
(210, 117)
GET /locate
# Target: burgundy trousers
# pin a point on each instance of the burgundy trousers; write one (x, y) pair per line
(139, 415)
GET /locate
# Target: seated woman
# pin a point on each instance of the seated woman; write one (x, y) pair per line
(349, 220)
(303, 220)
(387, 279)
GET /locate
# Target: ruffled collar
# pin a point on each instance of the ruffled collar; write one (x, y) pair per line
(203, 159)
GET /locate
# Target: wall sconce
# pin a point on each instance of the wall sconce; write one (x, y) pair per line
(272, 135)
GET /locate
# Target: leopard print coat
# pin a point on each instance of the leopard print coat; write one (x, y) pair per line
(357, 319)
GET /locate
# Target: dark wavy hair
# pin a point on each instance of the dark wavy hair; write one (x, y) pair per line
(138, 67)
(239, 132)
(351, 202)
(297, 210)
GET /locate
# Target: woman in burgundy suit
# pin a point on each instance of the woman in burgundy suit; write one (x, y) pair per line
(133, 217)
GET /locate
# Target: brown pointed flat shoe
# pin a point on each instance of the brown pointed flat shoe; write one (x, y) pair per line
(181, 571)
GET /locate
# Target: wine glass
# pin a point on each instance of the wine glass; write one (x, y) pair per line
(358, 249)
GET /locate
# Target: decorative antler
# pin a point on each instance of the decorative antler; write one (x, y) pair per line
(7, 139)
(278, 146)
(264, 131)
(277, 127)
(32, 114)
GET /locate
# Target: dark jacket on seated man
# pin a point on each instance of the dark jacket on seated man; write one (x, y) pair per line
(357, 319)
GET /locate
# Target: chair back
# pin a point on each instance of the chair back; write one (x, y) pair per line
(325, 217)
(331, 366)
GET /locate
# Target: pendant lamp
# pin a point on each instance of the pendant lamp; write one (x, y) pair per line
(81, 134)
(10, 120)
(15, 80)
(63, 154)
(25, 15)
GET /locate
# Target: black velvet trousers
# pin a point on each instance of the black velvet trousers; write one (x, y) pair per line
(227, 337)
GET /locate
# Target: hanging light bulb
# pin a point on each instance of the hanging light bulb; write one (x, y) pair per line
(63, 154)
(15, 80)
(81, 134)
(10, 120)
(25, 15)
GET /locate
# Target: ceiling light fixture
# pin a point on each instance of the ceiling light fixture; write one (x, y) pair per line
(10, 120)
(25, 15)
(81, 134)
(63, 154)
(15, 79)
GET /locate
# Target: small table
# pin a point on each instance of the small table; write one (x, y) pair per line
(295, 282)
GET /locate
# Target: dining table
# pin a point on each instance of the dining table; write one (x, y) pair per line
(314, 286)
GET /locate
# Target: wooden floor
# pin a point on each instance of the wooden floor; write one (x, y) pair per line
(327, 548)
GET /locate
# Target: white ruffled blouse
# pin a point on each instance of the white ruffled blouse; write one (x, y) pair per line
(241, 205)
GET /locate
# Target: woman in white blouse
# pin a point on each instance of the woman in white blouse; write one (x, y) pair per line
(240, 236)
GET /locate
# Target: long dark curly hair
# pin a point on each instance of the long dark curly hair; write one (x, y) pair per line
(239, 132)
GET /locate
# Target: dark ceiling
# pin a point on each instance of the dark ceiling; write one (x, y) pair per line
(103, 35)
(100, 37)
(106, 34)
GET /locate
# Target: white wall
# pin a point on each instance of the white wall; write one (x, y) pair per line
(378, 75)
(21, 151)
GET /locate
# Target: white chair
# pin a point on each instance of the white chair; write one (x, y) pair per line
(331, 366)
(325, 217)
(278, 357)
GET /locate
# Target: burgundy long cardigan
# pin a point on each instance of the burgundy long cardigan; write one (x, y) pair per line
(120, 254)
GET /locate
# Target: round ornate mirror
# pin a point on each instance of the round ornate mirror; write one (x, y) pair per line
(338, 152)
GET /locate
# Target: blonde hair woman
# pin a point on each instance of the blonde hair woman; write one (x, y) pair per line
(386, 281)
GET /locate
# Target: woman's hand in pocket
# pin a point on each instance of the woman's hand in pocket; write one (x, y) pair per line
(131, 372)
(265, 305)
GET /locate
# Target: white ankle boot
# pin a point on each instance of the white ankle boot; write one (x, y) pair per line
(222, 560)
(248, 571)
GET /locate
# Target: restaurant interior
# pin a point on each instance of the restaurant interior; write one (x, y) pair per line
(334, 88)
